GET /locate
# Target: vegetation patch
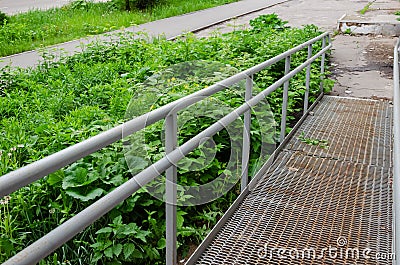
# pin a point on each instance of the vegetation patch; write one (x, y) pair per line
(35, 29)
(367, 7)
(56, 105)
(313, 141)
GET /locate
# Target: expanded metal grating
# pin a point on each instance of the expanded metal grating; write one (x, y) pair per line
(319, 205)
(356, 130)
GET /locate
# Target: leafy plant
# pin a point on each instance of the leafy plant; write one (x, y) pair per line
(6, 227)
(79, 5)
(3, 18)
(145, 4)
(129, 5)
(348, 31)
(311, 141)
(268, 22)
(115, 241)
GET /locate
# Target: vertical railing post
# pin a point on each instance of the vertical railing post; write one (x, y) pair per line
(321, 85)
(246, 136)
(396, 154)
(171, 142)
(308, 76)
(285, 100)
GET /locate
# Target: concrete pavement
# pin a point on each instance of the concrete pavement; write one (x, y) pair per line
(324, 14)
(170, 27)
(361, 64)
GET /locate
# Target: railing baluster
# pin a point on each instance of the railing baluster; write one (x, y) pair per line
(396, 154)
(171, 142)
(285, 100)
(321, 85)
(246, 136)
(308, 75)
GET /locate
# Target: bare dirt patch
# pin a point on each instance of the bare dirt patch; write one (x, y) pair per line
(380, 55)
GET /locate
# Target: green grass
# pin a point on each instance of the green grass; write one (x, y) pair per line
(36, 28)
(366, 7)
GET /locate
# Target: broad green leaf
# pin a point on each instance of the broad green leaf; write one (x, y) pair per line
(179, 218)
(77, 177)
(80, 194)
(161, 243)
(6, 246)
(117, 220)
(152, 253)
(129, 229)
(55, 178)
(137, 254)
(109, 252)
(135, 163)
(187, 231)
(141, 234)
(117, 249)
(96, 257)
(130, 203)
(116, 181)
(102, 231)
(97, 244)
(147, 202)
(128, 250)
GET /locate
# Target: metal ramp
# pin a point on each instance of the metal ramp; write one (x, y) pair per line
(318, 204)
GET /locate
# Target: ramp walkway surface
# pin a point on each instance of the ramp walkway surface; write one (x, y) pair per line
(326, 199)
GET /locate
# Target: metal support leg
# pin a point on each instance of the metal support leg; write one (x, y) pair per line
(308, 75)
(285, 100)
(171, 140)
(246, 136)
(321, 86)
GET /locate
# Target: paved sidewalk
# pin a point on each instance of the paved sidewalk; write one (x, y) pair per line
(11, 7)
(170, 27)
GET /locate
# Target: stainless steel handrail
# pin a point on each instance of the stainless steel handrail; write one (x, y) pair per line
(396, 153)
(54, 239)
